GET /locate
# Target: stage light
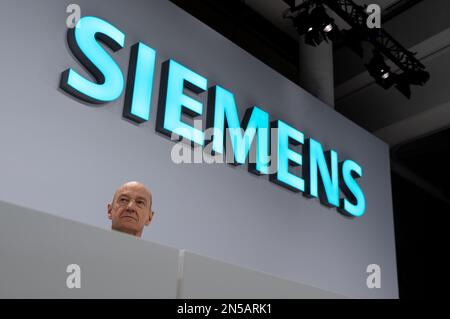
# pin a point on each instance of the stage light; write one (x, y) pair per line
(321, 19)
(302, 22)
(403, 81)
(311, 20)
(322, 27)
(328, 28)
(314, 24)
(380, 71)
(314, 37)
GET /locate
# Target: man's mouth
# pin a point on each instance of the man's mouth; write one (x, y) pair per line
(129, 216)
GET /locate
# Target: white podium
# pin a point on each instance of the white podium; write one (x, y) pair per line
(36, 249)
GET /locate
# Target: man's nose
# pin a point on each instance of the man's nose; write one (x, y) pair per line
(131, 205)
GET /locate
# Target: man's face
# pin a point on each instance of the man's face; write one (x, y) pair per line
(130, 209)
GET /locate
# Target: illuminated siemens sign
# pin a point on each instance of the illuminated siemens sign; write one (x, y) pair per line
(322, 175)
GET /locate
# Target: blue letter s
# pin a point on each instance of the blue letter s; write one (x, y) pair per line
(83, 42)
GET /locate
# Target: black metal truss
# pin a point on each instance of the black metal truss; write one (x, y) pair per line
(356, 16)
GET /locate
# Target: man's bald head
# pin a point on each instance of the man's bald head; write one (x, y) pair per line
(132, 184)
(131, 208)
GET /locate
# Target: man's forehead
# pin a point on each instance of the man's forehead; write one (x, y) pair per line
(134, 189)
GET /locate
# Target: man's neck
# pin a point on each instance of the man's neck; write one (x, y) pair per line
(128, 231)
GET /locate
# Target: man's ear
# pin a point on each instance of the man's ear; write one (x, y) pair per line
(150, 217)
(110, 211)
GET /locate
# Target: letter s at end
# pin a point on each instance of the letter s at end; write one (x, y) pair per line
(354, 205)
